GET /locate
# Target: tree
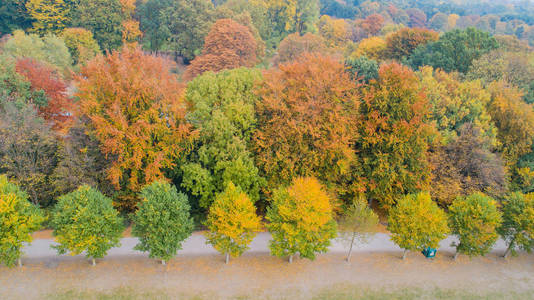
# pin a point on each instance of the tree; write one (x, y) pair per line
(223, 113)
(306, 116)
(417, 223)
(334, 31)
(50, 16)
(85, 221)
(517, 227)
(18, 219)
(28, 151)
(401, 44)
(362, 67)
(103, 18)
(82, 46)
(228, 45)
(454, 51)
(372, 24)
(373, 48)
(294, 46)
(59, 108)
(137, 113)
(13, 16)
(300, 219)
(439, 22)
(474, 219)
(394, 135)
(152, 23)
(162, 221)
(188, 22)
(417, 18)
(232, 222)
(49, 49)
(358, 222)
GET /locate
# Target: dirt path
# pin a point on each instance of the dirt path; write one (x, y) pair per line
(198, 269)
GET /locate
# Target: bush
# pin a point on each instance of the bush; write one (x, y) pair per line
(18, 219)
(85, 220)
(301, 219)
(417, 223)
(474, 219)
(162, 221)
(232, 222)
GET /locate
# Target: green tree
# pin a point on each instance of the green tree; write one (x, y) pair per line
(82, 46)
(223, 112)
(454, 51)
(362, 67)
(13, 16)
(417, 223)
(152, 23)
(300, 219)
(232, 222)
(103, 18)
(517, 227)
(18, 219)
(474, 219)
(85, 221)
(358, 223)
(162, 221)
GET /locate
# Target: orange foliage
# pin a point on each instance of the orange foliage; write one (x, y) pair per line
(41, 77)
(228, 45)
(402, 43)
(373, 23)
(137, 112)
(294, 45)
(306, 121)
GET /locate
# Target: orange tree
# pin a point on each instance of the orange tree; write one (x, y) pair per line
(394, 135)
(305, 119)
(402, 43)
(137, 112)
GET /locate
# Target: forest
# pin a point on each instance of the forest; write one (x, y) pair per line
(303, 116)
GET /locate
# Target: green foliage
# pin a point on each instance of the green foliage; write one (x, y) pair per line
(223, 112)
(18, 219)
(162, 221)
(14, 88)
(362, 67)
(49, 49)
(417, 222)
(232, 221)
(454, 51)
(358, 223)
(300, 219)
(474, 219)
(85, 220)
(152, 23)
(103, 18)
(13, 16)
(517, 227)
(82, 46)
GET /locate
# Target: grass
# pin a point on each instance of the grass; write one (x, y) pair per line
(332, 293)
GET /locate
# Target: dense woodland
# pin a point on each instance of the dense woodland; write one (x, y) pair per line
(294, 110)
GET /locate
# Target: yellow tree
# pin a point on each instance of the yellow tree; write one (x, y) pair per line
(300, 219)
(373, 48)
(232, 222)
(137, 112)
(51, 16)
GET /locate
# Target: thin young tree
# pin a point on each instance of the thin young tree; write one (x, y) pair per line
(517, 228)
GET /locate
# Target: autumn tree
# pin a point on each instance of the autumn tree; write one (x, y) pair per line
(394, 135)
(82, 46)
(372, 24)
(137, 113)
(85, 221)
(300, 219)
(417, 18)
(402, 43)
(232, 222)
(517, 227)
(306, 116)
(474, 219)
(58, 109)
(358, 223)
(294, 46)
(373, 48)
(162, 221)
(223, 113)
(228, 45)
(417, 223)
(334, 31)
(454, 51)
(50, 16)
(18, 219)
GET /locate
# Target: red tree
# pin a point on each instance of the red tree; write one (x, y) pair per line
(373, 23)
(58, 110)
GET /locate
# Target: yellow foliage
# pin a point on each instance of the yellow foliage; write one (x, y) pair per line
(373, 48)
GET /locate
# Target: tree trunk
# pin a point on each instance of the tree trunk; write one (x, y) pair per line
(19, 262)
(93, 262)
(509, 249)
(351, 244)
(456, 254)
(163, 262)
(404, 254)
(291, 258)
(227, 257)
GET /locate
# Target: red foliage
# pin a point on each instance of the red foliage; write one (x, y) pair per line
(228, 45)
(373, 23)
(41, 77)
